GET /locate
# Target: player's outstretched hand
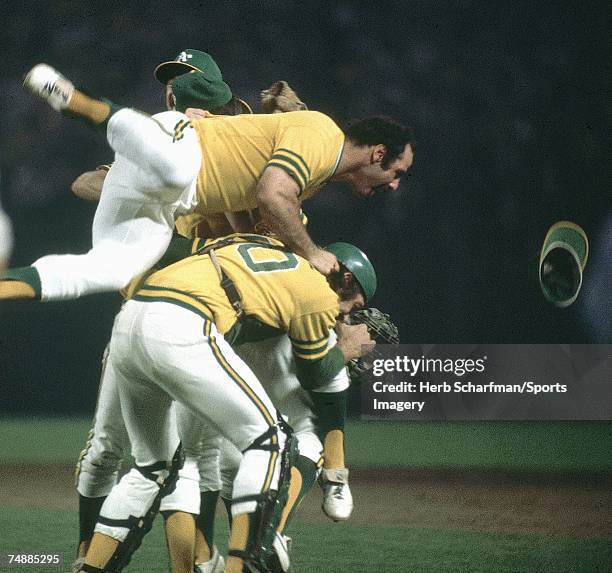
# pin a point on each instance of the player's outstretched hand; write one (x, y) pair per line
(324, 261)
(354, 340)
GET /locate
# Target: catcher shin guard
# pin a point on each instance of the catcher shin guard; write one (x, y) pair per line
(138, 526)
(264, 521)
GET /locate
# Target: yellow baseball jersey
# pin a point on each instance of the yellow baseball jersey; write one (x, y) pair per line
(279, 290)
(190, 226)
(236, 150)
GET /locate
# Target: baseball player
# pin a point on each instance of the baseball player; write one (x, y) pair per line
(268, 161)
(171, 340)
(99, 462)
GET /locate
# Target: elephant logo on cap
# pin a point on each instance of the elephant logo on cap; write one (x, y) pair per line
(183, 57)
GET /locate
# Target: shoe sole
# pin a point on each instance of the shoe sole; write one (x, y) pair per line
(45, 82)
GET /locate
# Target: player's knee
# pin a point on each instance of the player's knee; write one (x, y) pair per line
(309, 445)
(272, 439)
(129, 500)
(95, 481)
(186, 494)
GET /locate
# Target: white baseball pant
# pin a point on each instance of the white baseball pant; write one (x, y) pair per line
(151, 182)
(160, 352)
(273, 363)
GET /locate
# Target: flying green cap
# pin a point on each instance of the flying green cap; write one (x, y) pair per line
(356, 261)
(562, 260)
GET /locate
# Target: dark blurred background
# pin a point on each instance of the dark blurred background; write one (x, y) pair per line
(512, 108)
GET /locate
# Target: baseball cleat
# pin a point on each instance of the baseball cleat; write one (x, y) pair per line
(77, 564)
(337, 497)
(46, 83)
(216, 564)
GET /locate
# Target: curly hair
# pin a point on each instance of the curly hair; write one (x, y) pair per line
(383, 130)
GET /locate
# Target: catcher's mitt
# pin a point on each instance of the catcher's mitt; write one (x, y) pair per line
(381, 329)
(279, 98)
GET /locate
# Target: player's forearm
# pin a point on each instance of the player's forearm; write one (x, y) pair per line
(315, 374)
(284, 220)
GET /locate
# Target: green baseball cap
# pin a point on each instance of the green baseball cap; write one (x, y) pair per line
(563, 258)
(201, 83)
(189, 61)
(197, 90)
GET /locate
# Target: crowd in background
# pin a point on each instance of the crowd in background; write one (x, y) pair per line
(509, 101)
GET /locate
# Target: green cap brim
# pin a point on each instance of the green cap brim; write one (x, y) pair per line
(168, 70)
(562, 261)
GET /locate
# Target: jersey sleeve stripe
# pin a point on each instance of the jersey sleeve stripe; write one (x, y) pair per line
(293, 164)
(309, 357)
(291, 172)
(296, 156)
(297, 161)
(317, 341)
(310, 351)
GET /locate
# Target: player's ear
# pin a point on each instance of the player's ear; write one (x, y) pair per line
(347, 280)
(379, 151)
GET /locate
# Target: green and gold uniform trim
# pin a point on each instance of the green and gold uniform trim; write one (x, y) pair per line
(91, 433)
(271, 464)
(179, 130)
(293, 164)
(310, 353)
(310, 349)
(314, 373)
(235, 376)
(149, 293)
(28, 275)
(308, 342)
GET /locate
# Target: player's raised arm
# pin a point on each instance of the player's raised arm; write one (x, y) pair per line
(277, 199)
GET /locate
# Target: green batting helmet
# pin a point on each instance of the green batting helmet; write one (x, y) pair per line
(356, 261)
